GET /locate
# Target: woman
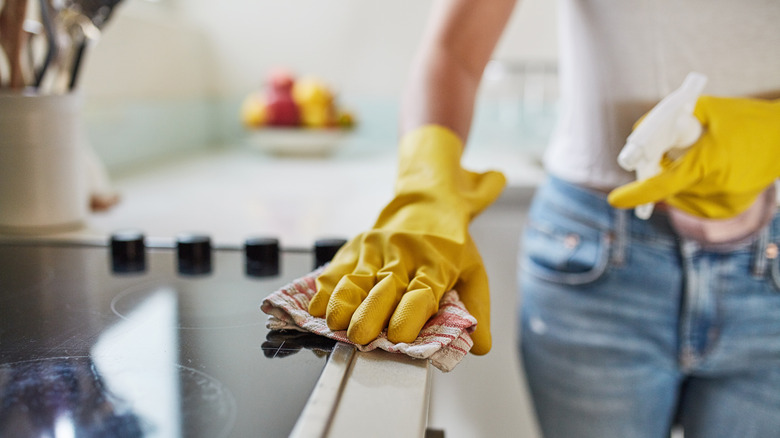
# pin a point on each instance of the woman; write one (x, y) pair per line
(628, 325)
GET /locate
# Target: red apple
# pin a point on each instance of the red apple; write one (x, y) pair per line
(281, 109)
(280, 79)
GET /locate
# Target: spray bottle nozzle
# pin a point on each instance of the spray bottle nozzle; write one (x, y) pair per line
(669, 125)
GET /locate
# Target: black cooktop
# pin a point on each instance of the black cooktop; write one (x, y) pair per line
(161, 341)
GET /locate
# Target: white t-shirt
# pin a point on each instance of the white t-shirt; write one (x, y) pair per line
(618, 58)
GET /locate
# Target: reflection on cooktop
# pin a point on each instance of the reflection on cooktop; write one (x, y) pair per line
(62, 397)
(74, 397)
(282, 343)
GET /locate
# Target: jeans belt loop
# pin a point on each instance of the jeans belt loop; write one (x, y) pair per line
(759, 255)
(620, 236)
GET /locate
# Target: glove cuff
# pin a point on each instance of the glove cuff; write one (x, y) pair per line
(427, 155)
(429, 165)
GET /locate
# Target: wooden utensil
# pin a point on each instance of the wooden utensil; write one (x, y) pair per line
(11, 39)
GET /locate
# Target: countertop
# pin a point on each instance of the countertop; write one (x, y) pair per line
(232, 192)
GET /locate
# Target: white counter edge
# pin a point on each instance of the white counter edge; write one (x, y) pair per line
(380, 393)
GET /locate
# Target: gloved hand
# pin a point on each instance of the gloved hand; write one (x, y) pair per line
(394, 275)
(736, 158)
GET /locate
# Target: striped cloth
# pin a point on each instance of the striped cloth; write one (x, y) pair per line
(444, 340)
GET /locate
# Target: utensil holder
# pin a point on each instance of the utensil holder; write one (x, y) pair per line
(43, 185)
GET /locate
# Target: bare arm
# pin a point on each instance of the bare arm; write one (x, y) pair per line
(459, 40)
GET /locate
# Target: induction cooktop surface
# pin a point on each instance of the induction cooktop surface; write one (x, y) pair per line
(161, 341)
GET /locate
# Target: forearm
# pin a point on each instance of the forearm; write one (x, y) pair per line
(440, 91)
(458, 43)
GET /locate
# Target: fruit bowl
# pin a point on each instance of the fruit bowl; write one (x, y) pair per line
(298, 142)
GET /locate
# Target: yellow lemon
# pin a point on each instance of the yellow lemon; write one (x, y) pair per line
(311, 90)
(253, 111)
(317, 116)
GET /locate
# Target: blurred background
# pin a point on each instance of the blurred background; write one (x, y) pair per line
(168, 76)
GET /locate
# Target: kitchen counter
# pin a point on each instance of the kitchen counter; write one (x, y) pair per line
(233, 192)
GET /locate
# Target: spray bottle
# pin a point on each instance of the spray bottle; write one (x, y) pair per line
(670, 127)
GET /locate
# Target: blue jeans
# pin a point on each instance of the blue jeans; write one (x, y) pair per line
(628, 329)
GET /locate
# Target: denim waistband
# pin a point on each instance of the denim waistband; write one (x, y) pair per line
(591, 206)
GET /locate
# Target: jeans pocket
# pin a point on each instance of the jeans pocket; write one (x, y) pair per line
(566, 253)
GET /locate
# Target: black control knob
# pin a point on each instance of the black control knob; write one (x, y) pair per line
(194, 254)
(128, 251)
(261, 256)
(325, 249)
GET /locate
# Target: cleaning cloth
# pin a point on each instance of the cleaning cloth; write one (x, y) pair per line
(444, 340)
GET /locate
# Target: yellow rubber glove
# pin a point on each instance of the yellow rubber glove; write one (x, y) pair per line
(736, 158)
(394, 275)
